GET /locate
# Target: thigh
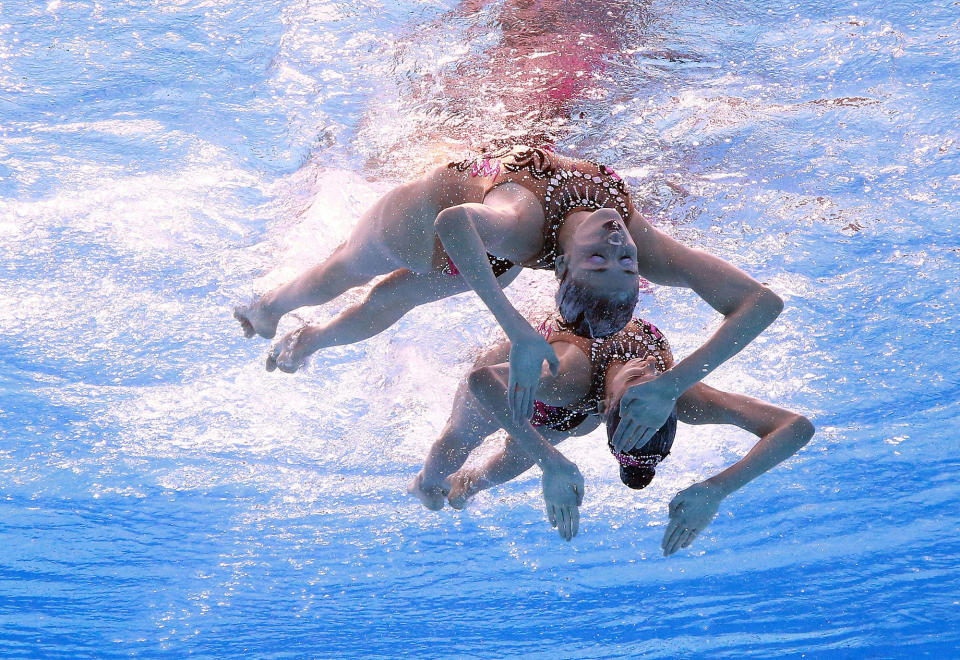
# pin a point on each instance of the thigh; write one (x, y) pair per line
(399, 227)
(408, 289)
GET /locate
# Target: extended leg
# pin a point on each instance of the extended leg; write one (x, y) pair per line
(468, 425)
(383, 306)
(346, 268)
(508, 463)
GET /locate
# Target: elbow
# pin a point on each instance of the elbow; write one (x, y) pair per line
(448, 220)
(767, 305)
(802, 429)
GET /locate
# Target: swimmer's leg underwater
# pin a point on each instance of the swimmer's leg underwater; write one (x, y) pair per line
(385, 304)
(364, 255)
(468, 425)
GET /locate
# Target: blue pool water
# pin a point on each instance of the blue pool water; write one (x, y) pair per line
(160, 494)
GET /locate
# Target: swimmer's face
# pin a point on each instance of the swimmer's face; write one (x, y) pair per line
(603, 255)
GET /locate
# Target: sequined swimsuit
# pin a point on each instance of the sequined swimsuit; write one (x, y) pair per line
(561, 184)
(637, 340)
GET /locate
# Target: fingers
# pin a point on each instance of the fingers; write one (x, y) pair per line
(671, 541)
(553, 362)
(628, 432)
(521, 403)
(671, 529)
(680, 537)
(518, 407)
(688, 539)
(640, 438)
(552, 515)
(578, 491)
(623, 431)
(568, 518)
(563, 522)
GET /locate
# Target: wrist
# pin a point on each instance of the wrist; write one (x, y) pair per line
(673, 381)
(720, 486)
(517, 327)
(552, 461)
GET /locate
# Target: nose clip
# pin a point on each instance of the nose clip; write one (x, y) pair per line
(615, 238)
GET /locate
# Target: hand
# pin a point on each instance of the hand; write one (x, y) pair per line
(563, 494)
(526, 361)
(691, 510)
(644, 408)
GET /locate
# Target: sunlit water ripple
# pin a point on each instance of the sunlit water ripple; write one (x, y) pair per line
(163, 494)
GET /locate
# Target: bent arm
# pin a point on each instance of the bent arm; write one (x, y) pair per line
(562, 482)
(464, 231)
(572, 381)
(748, 307)
(782, 433)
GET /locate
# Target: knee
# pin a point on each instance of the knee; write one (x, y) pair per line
(449, 219)
(385, 297)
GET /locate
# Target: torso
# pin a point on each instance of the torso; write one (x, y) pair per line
(562, 185)
(638, 339)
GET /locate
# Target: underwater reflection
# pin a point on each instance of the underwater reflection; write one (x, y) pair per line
(491, 73)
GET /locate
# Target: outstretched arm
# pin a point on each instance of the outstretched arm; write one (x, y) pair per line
(782, 433)
(562, 481)
(464, 231)
(748, 308)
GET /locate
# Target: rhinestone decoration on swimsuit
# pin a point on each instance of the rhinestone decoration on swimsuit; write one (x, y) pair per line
(562, 185)
(637, 340)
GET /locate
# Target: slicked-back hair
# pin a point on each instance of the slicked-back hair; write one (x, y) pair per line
(649, 455)
(590, 313)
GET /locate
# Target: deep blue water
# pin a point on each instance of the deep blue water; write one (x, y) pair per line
(163, 495)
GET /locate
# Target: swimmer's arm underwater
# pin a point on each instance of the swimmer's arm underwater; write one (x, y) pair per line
(465, 231)
(782, 433)
(748, 308)
(562, 481)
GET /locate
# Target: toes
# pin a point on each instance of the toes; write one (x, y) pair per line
(248, 330)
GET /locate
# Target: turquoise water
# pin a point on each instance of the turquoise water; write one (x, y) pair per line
(163, 495)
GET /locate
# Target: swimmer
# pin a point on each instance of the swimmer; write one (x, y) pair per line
(473, 225)
(594, 377)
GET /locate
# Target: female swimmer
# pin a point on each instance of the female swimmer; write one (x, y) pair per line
(472, 225)
(593, 377)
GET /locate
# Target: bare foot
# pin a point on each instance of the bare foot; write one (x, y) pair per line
(292, 351)
(430, 495)
(255, 320)
(463, 486)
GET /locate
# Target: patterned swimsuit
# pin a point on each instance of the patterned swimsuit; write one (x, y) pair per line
(637, 340)
(561, 184)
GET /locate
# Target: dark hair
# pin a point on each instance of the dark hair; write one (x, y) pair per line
(638, 466)
(590, 313)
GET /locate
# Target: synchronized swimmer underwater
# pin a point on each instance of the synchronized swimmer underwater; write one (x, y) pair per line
(479, 328)
(474, 224)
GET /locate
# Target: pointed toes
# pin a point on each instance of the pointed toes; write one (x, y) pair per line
(248, 331)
